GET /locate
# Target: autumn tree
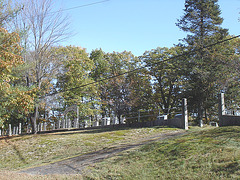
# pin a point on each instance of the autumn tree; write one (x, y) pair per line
(12, 97)
(16, 102)
(41, 29)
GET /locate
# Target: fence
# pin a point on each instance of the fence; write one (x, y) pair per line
(224, 119)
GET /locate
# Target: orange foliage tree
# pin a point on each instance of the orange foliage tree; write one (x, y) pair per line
(12, 98)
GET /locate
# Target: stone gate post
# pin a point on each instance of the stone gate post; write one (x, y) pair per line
(221, 108)
(184, 114)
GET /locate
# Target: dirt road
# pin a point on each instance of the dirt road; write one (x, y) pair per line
(75, 165)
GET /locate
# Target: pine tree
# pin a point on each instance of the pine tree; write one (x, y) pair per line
(201, 20)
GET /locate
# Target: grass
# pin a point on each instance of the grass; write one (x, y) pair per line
(211, 153)
(32, 150)
(203, 153)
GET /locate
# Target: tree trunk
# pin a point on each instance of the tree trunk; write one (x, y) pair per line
(34, 120)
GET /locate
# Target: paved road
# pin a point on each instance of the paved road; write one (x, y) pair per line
(77, 164)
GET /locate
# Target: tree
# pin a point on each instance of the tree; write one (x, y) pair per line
(75, 73)
(41, 30)
(202, 21)
(120, 92)
(167, 77)
(11, 97)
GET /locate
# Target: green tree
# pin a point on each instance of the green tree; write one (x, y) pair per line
(121, 92)
(167, 77)
(202, 21)
(73, 74)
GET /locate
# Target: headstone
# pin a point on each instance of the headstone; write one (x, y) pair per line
(212, 123)
(86, 123)
(63, 124)
(14, 130)
(44, 126)
(115, 120)
(108, 121)
(59, 124)
(20, 129)
(41, 127)
(10, 130)
(96, 123)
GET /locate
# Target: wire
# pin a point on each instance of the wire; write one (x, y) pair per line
(85, 5)
(137, 69)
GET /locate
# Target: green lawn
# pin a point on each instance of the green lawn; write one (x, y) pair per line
(32, 150)
(209, 153)
(203, 153)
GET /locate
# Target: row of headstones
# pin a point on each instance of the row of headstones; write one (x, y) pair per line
(73, 124)
(16, 130)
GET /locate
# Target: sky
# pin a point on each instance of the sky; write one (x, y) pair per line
(133, 25)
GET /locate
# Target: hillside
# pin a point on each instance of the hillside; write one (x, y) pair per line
(208, 153)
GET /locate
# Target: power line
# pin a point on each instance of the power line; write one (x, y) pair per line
(80, 6)
(138, 69)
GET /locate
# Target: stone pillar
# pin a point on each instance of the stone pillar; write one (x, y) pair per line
(184, 114)
(10, 130)
(77, 120)
(20, 129)
(54, 125)
(221, 108)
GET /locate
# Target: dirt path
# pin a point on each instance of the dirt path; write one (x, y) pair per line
(76, 164)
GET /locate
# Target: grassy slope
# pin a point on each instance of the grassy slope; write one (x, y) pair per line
(32, 150)
(212, 153)
(209, 153)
